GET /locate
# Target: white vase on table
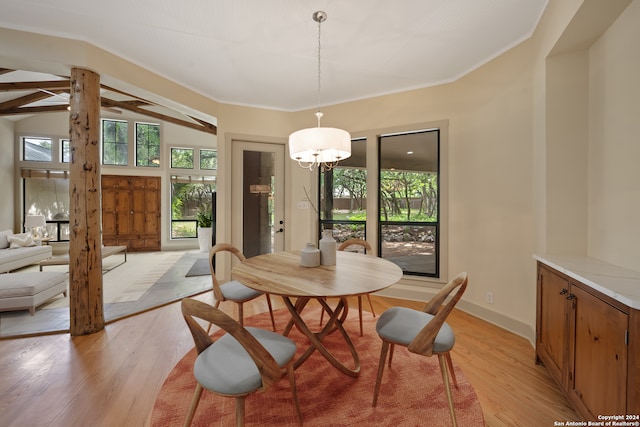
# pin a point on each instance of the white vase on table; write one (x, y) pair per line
(310, 256)
(328, 248)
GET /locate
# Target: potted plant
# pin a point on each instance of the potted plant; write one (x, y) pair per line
(205, 229)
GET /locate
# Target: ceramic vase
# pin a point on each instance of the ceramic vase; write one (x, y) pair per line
(205, 237)
(310, 256)
(328, 247)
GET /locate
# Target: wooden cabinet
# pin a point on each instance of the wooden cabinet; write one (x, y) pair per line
(597, 355)
(553, 324)
(131, 212)
(583, 338)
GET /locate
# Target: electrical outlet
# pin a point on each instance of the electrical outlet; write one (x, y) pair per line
(490, 297)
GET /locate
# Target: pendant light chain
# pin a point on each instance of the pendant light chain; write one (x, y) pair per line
(319, 17)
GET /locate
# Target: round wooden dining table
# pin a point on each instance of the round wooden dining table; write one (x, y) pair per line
(354, 274)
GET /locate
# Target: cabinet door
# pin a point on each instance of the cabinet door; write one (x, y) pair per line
(598, 372)
(553, 324)
(131, 212)
(109, 222)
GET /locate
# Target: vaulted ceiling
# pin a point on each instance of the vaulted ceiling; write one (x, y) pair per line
(264, 53)
(25, 93)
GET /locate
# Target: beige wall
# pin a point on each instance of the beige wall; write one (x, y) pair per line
(521, 176)
(6, 175)
(614, 143)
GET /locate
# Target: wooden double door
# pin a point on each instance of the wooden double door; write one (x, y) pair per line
(131, 212)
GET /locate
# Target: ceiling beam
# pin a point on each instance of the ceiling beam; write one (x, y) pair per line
(48, 85)
(15, 106)
(27, 99)
(206, 127)
(33, 110)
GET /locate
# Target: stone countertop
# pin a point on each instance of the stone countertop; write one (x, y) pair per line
(619, 283)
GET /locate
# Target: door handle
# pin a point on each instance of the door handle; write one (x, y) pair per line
(280, 230)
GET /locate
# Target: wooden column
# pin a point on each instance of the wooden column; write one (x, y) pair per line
(85, 247)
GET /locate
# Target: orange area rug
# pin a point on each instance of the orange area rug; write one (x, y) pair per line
(412, 393)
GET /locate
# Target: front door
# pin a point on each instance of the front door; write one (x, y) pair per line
(131, 212)
(258, 194)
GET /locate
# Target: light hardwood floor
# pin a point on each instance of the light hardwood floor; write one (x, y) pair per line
(111, 378)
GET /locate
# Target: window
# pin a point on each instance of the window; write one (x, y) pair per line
(182, 158)
(115, 143)
(208, 159)
(47, 193)
(147, 145)
(65, 146)
(36, 149)
(343, 195)
(409, 200)
(190, 195)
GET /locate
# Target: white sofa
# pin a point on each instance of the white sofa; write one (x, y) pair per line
(20, 256)
(28, 290)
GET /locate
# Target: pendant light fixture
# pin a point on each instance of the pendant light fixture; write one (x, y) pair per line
(319, 146)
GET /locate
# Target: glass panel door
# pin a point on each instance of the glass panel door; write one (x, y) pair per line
(259, 188)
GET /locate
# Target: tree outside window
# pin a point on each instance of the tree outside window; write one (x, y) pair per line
(208, 159)
(182, 158)
(189, 195)
(409, 201)
(147, 145)
(115, 142)
(343, 195)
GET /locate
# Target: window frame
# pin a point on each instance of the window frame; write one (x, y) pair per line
(65, 142)
(116, 143)
(24, 139)
(195, 173)
(200, 159)
(193, 155)
(435, 224)
(147, 146)
(373, 203)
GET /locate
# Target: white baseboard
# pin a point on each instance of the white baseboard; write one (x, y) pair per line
(424, 293)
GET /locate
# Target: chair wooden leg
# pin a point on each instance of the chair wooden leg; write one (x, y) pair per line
(383, 357)
(453, 373)
(371, 305)
(294, 391)
(194, 404)
(447, 388)
(360, 313)
(240, 411)
(273, 322)
(393, 346)
(321, 317)
(240, 314)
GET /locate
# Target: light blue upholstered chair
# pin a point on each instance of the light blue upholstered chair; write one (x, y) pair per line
(234, 290)
(241, 362)
(423, 332)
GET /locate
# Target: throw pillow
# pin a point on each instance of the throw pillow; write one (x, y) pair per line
(20, 240)
(4, 243)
